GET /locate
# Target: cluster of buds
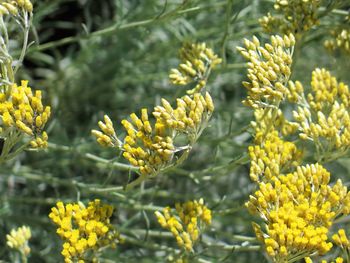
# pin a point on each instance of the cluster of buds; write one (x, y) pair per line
(13, 7)
(325, 118)
(197, 60)
(341, 240)
(149, 145)
(83, 229)
(189, 114)
(22, 113)
(187, 226)
(149, 148)
(265, 119)
(107, 136)
(18, 240)
(337, 260)
(340, 41)
(269, 69)
(273, 156)
(22, 110)
(299, 208)
(292, 16)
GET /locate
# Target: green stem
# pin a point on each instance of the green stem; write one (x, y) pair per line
(116, 27)
(25, 41)
(234, 248)
(227, 30)
(24, 258)
(109, 163)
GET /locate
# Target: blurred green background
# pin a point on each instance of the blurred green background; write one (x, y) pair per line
(113, 57)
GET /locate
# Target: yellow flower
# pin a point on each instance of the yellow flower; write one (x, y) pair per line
(13, 7)
(149, 145)
(341, 239)
(341, 40)
(267, 120)
(18, 239)
(325, 117)
(292, 16)
(83, 229)
(197, 60)
(269, 158)
(298, 208)
(187, 227)
(268, 70)
(22, 109)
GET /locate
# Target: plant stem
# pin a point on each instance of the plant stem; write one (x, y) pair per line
(116, 27)
(25, 41)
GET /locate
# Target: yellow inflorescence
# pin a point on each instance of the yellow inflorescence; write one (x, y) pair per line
(149, 144)
(299, 208)
(341, 240)
(268, 70)
(146, 146)
(265, 120)
(293, 16)
(340, 37)
(337, 260)
(186, 228)
(18, 239)
(107, 136)
(12, 6)
(272, 157)
(326, 114)
(150, 147)
(83, 228)
(23, 110)
(188, 115)
(196, 62)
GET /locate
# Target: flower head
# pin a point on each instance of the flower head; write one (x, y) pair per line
(325, 118)
(18, 239)
(21, 109)
(268, 70)
(299, 208)
(186, 228)
(83, 229)
(292, 16)
(197, 60)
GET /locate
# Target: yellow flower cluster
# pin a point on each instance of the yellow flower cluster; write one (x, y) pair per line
(268, 70)
(341, 41)
(83, 229)
(187, 227)
(265, 120)
(149, 144)
(293, 16)
(272, 157)
(326, 113)
(18, 239)
(23, 110)
(189, 114)
(337, 260)
(298, 208)
(196, 62)
(150, 147)
(108, 137)
(341, 240)
(12, 6)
